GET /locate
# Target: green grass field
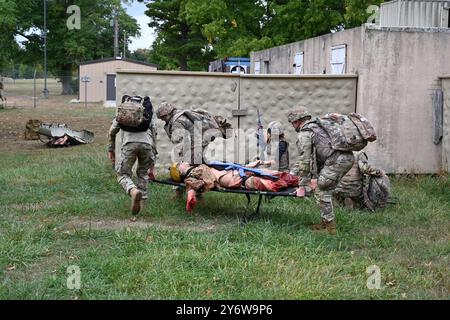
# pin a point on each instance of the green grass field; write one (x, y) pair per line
(63, 207)
(25, 87)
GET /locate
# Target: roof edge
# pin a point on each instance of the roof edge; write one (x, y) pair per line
(119, 59)
(235, 75)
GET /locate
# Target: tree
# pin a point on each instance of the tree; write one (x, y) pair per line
(232, 27)
(67, 48)
(179, 43)
(357, 11)
(9, 49)
(141, 55)
(189, 31)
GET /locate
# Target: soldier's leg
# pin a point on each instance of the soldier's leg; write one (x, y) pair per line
(333, 171)
(146, 160)
(124, 167)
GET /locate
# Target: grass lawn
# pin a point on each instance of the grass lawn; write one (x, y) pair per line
(63, 207)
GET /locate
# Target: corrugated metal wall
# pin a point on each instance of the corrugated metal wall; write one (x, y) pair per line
(446, 135)
(412, 13)
(222, 93)
(96, 89)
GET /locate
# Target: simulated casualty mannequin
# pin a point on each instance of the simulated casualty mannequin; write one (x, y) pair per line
(203, 178)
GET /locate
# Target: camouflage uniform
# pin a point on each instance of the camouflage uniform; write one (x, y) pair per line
(352, 184)
(187, 137)
(138, 146)
(317, 157)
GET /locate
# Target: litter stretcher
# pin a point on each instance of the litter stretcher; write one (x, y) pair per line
(291, 192)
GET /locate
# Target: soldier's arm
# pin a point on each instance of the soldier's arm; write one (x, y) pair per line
(366, 168)
(154, 135)
(177, 139)
(112, 136)
(303, 166)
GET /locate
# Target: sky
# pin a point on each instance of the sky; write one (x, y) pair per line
(136, 10)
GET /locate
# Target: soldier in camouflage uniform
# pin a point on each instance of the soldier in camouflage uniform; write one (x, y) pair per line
(350, 190)
(188, 140)
(276, 150)
(317, 157)
(136, 146)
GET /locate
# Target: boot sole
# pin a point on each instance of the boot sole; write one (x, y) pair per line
(135, 203)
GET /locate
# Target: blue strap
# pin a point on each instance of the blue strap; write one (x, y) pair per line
(241, 169)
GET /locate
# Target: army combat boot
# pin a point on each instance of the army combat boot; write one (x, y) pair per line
(142, 204)
(136, 197)
(348, 203)
(329, 226)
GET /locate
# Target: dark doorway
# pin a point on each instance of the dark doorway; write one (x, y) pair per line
(111, 87)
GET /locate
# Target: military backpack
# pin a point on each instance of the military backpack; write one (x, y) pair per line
(349, 132)
(376, 192)
(133, 115)
(208, 121)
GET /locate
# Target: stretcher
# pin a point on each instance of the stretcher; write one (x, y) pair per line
(291, 192)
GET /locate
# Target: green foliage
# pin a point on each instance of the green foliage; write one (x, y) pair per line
(65, 48)
(190, 33)
(8, 20)
(141, 55)
(356, 11)
(180, 42)
(237, 27)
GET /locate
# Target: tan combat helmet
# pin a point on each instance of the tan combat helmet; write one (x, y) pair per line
(275, 128)
(164, 109)
(299, 113)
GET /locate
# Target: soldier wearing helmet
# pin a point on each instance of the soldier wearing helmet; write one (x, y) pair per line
(182, 126)
(139, 148)
(318, 158)
(277, 148)
(353, 191)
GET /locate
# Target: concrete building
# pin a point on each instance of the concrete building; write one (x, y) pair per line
(102, 78)
(399, 70)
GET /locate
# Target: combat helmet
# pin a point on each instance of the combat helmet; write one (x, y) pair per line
(164, 109)
(275, 127)
(299, 113)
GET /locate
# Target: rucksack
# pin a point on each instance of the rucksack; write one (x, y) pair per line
(133, 115)
(208, 121)
(349, 132)
(376, 192)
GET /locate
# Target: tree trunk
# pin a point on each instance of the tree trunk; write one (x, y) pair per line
(66, 80)
(184, 40)
(183, 64)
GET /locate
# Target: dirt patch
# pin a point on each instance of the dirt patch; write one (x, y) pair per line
(57, 109)
(116, 224)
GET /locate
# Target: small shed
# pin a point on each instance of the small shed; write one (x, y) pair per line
(101, 75)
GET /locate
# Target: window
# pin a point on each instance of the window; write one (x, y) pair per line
(298, 63)
(338, 59)
(266, 67)
(257, 67)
